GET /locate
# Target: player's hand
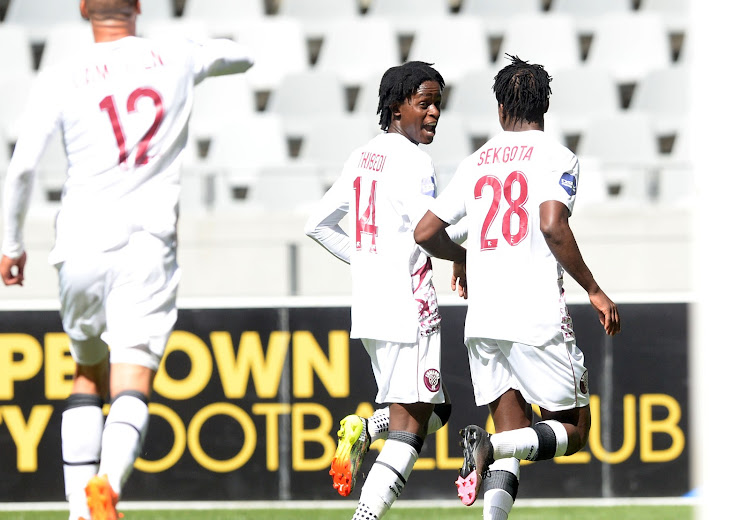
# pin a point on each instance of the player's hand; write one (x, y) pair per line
(11, 269)
(459, 280)
(608, 315)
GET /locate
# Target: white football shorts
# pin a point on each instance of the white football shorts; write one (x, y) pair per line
(407, 372)
(120, 302)
(552, 376)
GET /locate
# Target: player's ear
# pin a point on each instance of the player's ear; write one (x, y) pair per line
(84, 9)
(138, 7)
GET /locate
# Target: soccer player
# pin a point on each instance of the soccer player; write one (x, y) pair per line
(123, 106)
(385, 188)
(517, 192)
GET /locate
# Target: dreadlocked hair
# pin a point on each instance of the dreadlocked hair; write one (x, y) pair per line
(523, 90)
(400, 83)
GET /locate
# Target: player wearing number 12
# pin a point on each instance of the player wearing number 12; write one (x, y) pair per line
(123, 105)
(517, 192)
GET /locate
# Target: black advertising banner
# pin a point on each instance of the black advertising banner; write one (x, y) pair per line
(247, 404)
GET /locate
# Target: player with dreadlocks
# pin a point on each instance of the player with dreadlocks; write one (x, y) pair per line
(385, 187)
(517, 192)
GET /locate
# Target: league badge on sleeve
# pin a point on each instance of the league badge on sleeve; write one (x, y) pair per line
(568, 182)
(428, 186)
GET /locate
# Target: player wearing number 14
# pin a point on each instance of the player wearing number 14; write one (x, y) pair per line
(517, 192)
(123, 106)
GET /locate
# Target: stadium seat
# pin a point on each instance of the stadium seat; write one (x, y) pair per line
(629, 59)
(473, 101)
(292, 188)
(14, 95)
(63, 42)
(626, 146)
(21, 60)
(586, 13)
(495, 14)
(215, 98)
(581, 94)
(522, 39)
(375, 51)
(664, 94)
(317, 16)
(331, 139)
(174, 28)
(40, 16)
(278, 48)
(302, 97)
(156, 10)
(407, 16)
(224, 17)
(465, 50)
(677, 182)
(674, 13)
(239, 150)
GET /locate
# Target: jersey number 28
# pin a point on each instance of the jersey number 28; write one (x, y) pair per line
(504, 190)
(108, 104)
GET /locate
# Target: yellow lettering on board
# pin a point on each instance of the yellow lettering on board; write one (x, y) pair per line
(628, 431)
(26, 434)
(272, 411)
(234, 371)
(12, 370)
(178, 446)
(248, 429)
(669, 425)
(201, 367)
(309, 358)
(59, 367)
(442, 442)
(320, 435)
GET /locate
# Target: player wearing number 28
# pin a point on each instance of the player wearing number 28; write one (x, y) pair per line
(123, 105)
(385, 187)
(517, 192)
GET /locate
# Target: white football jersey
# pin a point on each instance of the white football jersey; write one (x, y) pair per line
(515, 283)
(385, 187)
(123, 107)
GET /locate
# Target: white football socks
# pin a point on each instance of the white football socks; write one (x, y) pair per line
(378, 424)
(81, 435)
(544, 440)
(498, 500)
(123, 434)
(386, 479)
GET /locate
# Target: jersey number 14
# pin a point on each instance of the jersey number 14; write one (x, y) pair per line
(365, 219)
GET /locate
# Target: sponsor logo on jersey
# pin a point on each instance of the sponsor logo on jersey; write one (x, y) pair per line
(428, 187)
(568, 182)
(584, 383)
(432, 380)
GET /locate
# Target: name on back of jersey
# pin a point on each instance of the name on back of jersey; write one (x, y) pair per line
(505, 154)
(372, 161)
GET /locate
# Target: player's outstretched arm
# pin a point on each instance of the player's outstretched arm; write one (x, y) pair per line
(11, 269)
(431, 236)
(559, 237)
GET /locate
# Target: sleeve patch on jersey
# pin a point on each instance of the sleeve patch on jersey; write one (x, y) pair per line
(428, 187)
(568, 182)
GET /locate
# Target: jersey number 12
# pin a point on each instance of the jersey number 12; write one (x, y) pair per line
(108, 104)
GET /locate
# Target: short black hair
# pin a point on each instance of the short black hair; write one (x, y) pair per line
(400, 83)
(523, 89)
